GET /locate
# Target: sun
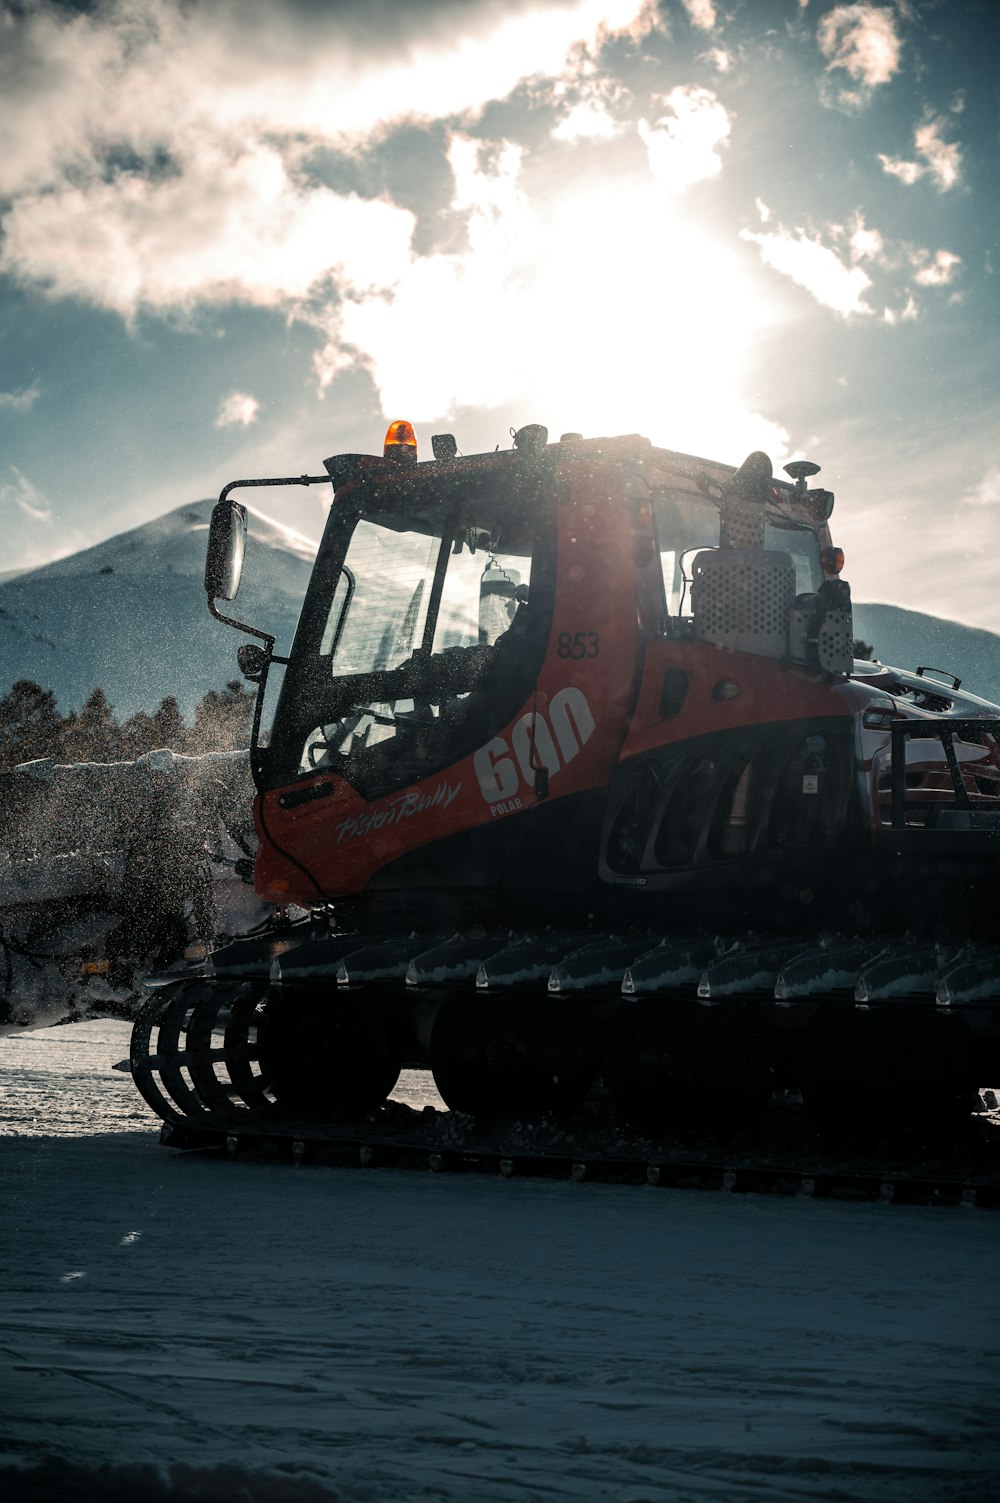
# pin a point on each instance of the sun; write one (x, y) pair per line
(645, 322)
(606, 308)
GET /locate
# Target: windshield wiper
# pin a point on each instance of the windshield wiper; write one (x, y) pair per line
(409, 718)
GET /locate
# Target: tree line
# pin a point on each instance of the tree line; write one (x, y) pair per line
(32, 726)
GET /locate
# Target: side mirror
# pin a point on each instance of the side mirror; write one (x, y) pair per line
(227, 536)
(252, 660)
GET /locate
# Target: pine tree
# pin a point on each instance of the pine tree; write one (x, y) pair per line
(168, 726)
(223, 719)
(138, 736)
(30, 724)
(94, 735)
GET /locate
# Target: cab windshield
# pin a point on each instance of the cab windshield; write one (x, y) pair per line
(423, 629)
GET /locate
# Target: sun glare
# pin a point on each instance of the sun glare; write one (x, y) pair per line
(601, 310)
(649, 325)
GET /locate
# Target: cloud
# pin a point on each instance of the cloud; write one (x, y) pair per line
(238, 410)
(141, 74)
(866, 244)
(26, 496)
(20, 401)
(587, 121)
(906, 314)
(861, 40)
(806, 261)
(233, 225)
(586, 98)
(157, 152)
(987, 492)
(172, 167)
(683, 144)
(701, 13)
(940, 271)
(565, 307)
(718, 58)
(942, 160)
(907, 172)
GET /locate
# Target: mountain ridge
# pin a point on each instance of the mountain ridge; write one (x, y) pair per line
(128, 615)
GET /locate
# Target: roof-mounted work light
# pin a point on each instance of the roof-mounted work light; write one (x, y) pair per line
(400, 443)
(531, 439)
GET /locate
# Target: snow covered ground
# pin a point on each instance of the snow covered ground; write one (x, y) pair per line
(187, 1328)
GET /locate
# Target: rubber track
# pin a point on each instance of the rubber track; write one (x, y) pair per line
(442, 1143)
(372, 1149)
(210, 1096)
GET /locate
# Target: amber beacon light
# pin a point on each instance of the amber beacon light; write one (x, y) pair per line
(400, 443)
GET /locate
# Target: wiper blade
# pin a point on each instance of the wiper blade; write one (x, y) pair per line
(409, 718)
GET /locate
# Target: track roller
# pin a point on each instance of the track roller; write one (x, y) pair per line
(328, 1056)
(887, 1071)
(501, 1056)
(681, 1064)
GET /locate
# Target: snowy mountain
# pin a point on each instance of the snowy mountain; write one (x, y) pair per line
(909, 639)
(129, 615)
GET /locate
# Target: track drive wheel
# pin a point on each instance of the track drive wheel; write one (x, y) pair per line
(327, 1056)
(678, 1064)
(892, 1071)
(503, 1057)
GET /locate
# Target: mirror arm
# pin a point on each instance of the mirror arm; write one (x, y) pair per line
(256, 760)
(252, 631)
(280, 480)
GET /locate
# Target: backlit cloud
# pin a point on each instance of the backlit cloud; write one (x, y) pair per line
(905, 314)
(556, 311)
(20, 401)
(238, 410)
(941, 270)
(701, 13)
(154, 152)
(987, 492)
(589, 120)
(860, 40)
(718, 58)
(233, 225)
(20, 492)
(683, 144)
(866, 244)
(941, 160)
(805, 260)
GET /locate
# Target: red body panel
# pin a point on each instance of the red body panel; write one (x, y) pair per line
(769, 692)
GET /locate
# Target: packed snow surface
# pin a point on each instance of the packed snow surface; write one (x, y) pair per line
(185, 1327)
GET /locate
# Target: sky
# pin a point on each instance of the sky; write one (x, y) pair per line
(237, 236)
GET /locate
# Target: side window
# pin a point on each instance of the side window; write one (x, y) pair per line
(685, 525)
(802, 546)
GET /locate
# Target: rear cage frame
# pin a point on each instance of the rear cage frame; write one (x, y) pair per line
(944, 732)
